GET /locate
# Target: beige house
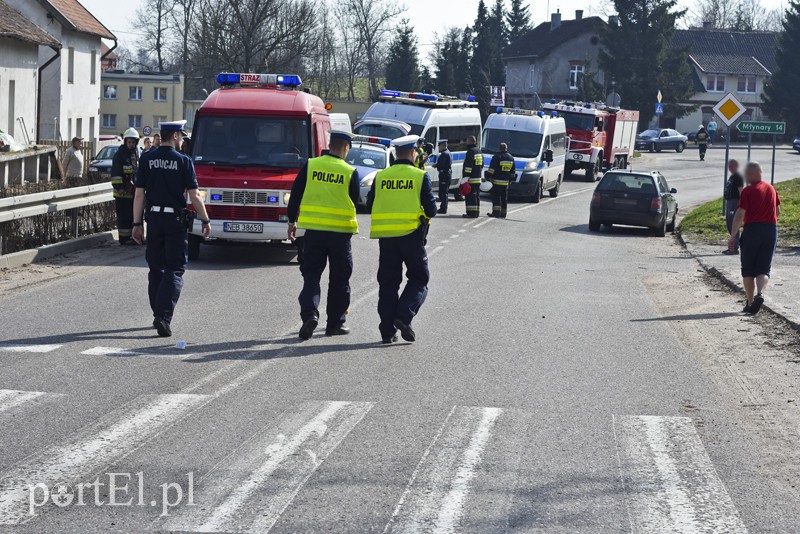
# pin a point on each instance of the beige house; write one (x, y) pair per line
(139, 100)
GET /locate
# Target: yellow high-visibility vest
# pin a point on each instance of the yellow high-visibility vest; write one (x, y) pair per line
(397, 208)
(326, 203)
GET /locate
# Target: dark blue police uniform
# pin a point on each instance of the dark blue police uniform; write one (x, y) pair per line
(165, 174)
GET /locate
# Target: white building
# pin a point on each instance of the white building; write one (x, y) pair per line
(70, 80)
(20, 40)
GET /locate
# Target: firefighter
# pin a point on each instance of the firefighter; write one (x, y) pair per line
(421, 157)
(473, 170)
(123, 174)
(444, 166)
(163, 180)
(402, 203)
(702, 142)
(323, 202)
(501, 173)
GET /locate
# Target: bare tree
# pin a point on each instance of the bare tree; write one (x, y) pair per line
(154, 17)
(350, 50)
(741, 15)
(182, 19)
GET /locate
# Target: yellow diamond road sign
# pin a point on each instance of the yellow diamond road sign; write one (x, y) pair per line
(729, 109)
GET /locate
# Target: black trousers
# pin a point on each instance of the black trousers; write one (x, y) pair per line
(702, 148)
(499, 201)
(124, 209)
(319, 250)
(167, 256)
(395, 253)
(444, 192)
(473, 200)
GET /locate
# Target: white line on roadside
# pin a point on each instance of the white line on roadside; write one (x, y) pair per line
(109, 439)
(10, 398)
(29, 348)
(434, 498)
(110, 351)
(276, 463)
(669, 479)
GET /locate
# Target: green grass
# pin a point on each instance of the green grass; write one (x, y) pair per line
(706, 223)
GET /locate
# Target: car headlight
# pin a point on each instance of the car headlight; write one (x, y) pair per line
(368, 179)
(286, 197)
(92, 169)
(533, 166)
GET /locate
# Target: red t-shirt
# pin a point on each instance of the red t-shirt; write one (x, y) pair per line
(760, 202)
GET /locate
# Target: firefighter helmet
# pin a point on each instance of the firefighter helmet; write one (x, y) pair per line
(130, 133)
(486, 187)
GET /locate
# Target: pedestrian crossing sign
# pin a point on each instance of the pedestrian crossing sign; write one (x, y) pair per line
(729, 109)
(659, 108)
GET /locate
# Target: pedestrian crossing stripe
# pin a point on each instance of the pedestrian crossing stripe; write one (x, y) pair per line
(10, 398)
(29, 348)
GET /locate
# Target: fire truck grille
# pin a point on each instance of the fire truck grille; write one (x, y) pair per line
(243, 213)
(257, 198)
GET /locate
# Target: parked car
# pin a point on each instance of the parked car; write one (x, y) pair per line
(369, 155)
(663, 139)
(796, 144)
(634, 199)
(100, 166)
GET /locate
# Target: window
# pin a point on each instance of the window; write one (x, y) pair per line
(575, 73)
(457, 136)
(91, 132)
(715, 83)
(69, 128)
(12, 88)
(134, 93)
(79, 127)
(93, 78)
(559, 144)
(532, 76)
(109, 120)
(747, 84)
(160, 94)
(71, 65)
(110, 92)
(158, 119)
(134, 121)
(522, 144)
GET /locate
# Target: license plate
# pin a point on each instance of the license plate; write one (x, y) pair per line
(625, 201)
(243, 228)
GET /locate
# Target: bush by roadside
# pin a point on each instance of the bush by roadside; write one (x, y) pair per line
(707, 225)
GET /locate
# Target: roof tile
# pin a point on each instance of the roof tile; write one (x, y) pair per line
(13, 24)
(78, 17)
(541, 40)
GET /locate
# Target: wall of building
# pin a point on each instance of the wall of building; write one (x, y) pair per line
(148, 108)
(18, 64)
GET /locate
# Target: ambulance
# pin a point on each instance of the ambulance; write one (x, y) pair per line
(434, 117)
(538, 142)
(250, 138)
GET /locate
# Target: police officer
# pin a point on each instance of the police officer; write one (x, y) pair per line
(402, 202)
(123, 175)
(323, 202)
(422, 157)
(501, 173)
(444, 165)
(473, 170)
(165, 176)
(702, 142)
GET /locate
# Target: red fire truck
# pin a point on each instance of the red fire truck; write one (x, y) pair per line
(600, 137)
(250, 138)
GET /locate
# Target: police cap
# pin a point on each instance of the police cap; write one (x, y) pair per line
(173, 126)
(405, 143)
(442, 141)
(343, 135)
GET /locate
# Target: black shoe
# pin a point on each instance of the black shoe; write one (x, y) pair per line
(746, 309)
(162, 327)
(340, 330)
(758, 301)
(491, 215)
(405, 331)
(442, 212)
(389, 340)
(307, 330)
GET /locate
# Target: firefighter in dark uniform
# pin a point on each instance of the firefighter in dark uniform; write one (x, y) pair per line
(501, 173)
(702, 142)
(422, 157)
(323, 202)
(123, 175)
(444, 166)
(164, 179)
(402, 203)
(473, 171)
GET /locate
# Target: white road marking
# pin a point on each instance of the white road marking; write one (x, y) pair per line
(250, 489)
(455, 236)
(669, 479)
(109, 439)
(110, 351)
(10, 398)
(29, 348)
(435, 251)
(434, 498)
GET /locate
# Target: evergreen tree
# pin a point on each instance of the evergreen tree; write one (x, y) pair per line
(426, 80)
(637, 55)
(498, 32)
(448, 79)
(483, 57)
(402, 66)
(518, 20)
(781, 91)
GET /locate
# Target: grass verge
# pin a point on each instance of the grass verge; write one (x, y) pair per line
(706, 223)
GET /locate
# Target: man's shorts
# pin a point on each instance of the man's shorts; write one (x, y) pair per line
(757, 247)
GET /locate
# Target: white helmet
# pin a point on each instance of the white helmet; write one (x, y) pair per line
(131, 133)
(486, 186)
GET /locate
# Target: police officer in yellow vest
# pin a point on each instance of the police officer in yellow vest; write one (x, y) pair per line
(402, 202)
(323, 202)
(501, 172)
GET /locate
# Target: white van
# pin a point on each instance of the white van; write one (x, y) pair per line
(340, 122)
(433, 117)
(538, 142)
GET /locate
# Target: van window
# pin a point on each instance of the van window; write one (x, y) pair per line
(559, 144)
(520, 144)
(457, 136)
(431, 135)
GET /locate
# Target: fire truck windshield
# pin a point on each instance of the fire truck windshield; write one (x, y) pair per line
(575, 121)
(520, 144)
(251, 141)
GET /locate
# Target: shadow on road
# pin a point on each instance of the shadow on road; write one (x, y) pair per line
(688, 317)
(615, 231)
(121, 333)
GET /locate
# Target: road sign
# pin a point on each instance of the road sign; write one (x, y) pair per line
(729, 109)
(775, 128)
(659, 97)
(659, 108)
(147, 130)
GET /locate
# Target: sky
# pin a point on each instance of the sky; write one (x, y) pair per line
(118, 15)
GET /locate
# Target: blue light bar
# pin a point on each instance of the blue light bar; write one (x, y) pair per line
(227, 78)
(554, 113)
(499, 110)
(552, 100)
(289, 80)
(393, 94)
(372, 139)
(541, 113)
(471, 98)
(423, 96)
(283, 80)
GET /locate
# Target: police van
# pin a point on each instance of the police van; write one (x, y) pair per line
(538, 142)
(434, 117)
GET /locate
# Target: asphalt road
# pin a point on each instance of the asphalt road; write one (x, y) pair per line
(550, 390)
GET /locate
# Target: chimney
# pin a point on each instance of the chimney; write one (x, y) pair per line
(555, 20)
(578, 14)
(708, 25)
(613, 20)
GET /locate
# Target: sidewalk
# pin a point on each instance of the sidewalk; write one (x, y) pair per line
(783, 292)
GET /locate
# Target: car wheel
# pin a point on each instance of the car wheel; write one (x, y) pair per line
(594, 226)
(680, 147)
(652, 147)
(658, 148)
(661, 229)
(592, 172)
(554, 192)
(537, 195)
(194, 247)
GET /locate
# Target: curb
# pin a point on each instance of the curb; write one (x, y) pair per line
(24, 257)
(731, 284)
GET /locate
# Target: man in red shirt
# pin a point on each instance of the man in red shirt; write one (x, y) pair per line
(759, 209)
